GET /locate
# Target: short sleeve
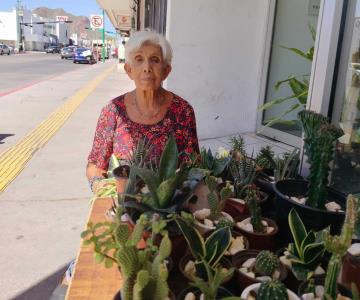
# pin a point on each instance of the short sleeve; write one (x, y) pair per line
(102, 147)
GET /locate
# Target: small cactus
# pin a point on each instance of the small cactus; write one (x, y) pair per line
(255, 211)
(223, 222)
(272, 290)
(266, 263)
(217, 200)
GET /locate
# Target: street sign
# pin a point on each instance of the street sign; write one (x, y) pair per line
(62, 18)
(96, 22)
(123, 22)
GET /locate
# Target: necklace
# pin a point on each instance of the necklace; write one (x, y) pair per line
(144, 114)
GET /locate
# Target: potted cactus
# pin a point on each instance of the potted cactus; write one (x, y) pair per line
(258, 230)
(143, 269)
(318, 205)
(268, 290)
(253, 266)
(207, 218)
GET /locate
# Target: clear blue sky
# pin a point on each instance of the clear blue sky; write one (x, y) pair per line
(75, 7)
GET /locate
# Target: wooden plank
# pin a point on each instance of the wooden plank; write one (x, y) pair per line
(90, 279)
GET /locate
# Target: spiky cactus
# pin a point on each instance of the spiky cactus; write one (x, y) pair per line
(338, 245)
(255, 211)
(266, 263)
(217, 200)
(272, 290)
(265, 158)
(320, 137)
(243, 172)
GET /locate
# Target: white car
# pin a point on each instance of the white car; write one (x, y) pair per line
(4, 49)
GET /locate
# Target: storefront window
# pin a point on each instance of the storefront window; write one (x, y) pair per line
(346, 174)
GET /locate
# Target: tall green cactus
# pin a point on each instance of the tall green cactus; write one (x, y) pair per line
(255, 211)
(338, 246)
(320, 137)
(216, 200)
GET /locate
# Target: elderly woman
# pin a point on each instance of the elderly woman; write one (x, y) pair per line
(149, 112)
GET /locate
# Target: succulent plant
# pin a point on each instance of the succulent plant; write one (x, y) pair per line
(255, 211)
(266, 262)
(215, 165)
(307, 250)
(243, 172)
(320, 137)
(265, 158)
(273, 289)
(224, 222)
(217, 199)
(237, 144)
(338, 245)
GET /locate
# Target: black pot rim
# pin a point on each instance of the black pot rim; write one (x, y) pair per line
(287, 198)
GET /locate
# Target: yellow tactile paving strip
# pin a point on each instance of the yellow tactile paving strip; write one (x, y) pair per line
(13, 160)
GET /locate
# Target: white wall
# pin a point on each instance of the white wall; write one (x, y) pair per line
(8, 26)
(218, 52)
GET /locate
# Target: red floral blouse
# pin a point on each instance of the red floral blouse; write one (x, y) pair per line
(116, 133)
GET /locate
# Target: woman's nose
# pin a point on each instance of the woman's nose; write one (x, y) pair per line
(147, 67)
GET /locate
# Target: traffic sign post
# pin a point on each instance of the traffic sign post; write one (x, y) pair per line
(96, 22)
(103, 37)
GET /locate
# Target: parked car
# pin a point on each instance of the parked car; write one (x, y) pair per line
(84, 55)
(67, 52)
(4, 49)
(53, 49)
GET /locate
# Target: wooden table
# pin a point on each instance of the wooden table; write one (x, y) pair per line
(90, 279)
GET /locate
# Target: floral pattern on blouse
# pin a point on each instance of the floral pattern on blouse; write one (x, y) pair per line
(116, 133)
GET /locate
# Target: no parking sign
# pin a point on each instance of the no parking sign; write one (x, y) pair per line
(96, 22)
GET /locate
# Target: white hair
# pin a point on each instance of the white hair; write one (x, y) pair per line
(140, 38)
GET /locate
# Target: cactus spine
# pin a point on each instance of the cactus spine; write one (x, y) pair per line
(144, 272)
(320, 137)
(338, 246)
(255, 211)
(266, 263)
(216, 200)
(272, 290)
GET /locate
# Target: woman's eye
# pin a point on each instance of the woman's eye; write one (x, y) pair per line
(155, 59)
(138, 59)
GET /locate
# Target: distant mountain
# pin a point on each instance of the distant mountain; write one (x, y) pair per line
(78, 22)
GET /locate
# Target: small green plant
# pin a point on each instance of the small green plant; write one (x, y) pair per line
(307, 250)
(273, 289)
(319, 139)
(338, 245)
(255, 211)
(243, 172)
(207, 253)
(237, 144)
(266, 263)
(144, 270)
(265, 158)
(217, 199)
(214, 164)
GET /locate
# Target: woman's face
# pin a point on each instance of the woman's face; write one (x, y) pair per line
(147, 67)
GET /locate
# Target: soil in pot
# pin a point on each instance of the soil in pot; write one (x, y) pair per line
(222, 293)
(245, 274)
(319, 287)
(351, 267)
(260, 241)
(312, 218)
(187, 267)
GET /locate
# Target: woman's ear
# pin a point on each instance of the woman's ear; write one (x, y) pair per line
(127, 69)
(167, 71)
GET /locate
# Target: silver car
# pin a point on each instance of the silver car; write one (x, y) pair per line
(4, 49)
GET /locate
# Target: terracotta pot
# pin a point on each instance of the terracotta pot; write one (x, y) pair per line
(350, 271)
(261, 241)
(255, 287)
(243, 280)
(184, 260)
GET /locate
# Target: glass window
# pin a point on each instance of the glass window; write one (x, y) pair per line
(346, 174)
(294, 27)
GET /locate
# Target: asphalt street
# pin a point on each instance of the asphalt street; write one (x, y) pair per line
(21, 70)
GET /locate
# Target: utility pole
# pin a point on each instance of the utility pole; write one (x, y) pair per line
(103, 37)
(19, 13)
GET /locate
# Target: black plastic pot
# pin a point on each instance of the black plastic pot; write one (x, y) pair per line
(312, 218)
(222, 292)
(321, 281)
(263, 184)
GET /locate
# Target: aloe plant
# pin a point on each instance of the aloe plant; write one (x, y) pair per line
(307, 250)
(319, 146)
(215, 165)
(166, 188)
(243, 172)
(207, 253)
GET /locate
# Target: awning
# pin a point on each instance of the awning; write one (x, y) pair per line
(119, 13)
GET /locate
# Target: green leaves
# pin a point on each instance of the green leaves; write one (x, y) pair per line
(168, 160)
(297, 228)
(216, 245)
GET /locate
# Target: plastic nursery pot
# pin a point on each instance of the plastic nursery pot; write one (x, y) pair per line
(242, 280)
(312, 218)
(263, 184)
(222, 293)
(235, 207)
(255, 287)
(321, 281)
(350, 271)
(121, 175)
(224, 262)
(260, 241)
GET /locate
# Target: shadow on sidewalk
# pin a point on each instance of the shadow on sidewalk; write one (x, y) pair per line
(3, 136)
(44, 289)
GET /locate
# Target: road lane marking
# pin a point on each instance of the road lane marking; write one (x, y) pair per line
(13, 160)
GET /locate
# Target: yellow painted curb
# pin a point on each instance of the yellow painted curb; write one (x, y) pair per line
(13, 160)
